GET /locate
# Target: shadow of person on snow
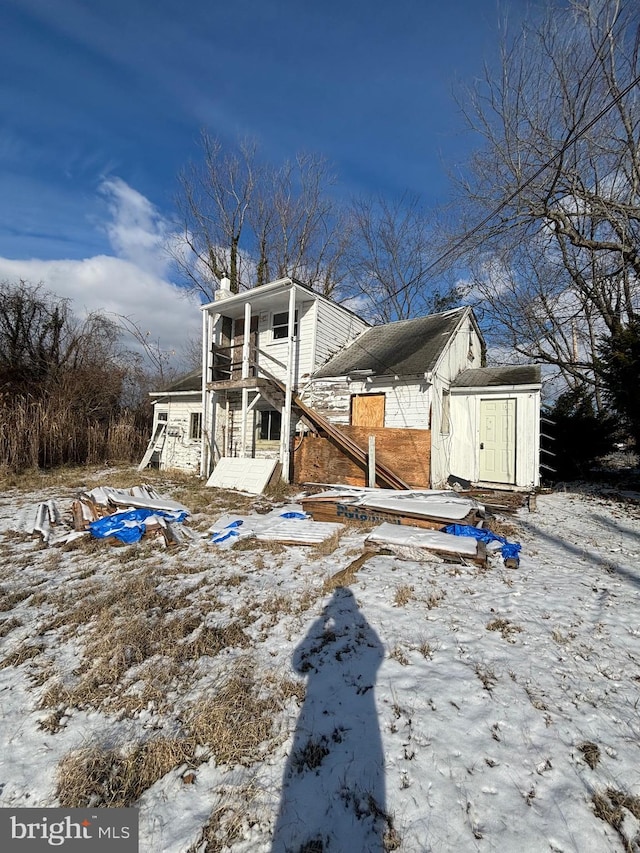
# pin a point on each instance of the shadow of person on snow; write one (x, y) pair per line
(333, 793)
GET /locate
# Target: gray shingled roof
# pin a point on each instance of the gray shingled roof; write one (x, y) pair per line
(484, 377)
(191, 382)
(403, 348)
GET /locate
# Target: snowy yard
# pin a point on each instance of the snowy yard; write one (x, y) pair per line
(244, 704)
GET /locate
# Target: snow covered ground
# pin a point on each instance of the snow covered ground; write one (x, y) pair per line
(243, 703)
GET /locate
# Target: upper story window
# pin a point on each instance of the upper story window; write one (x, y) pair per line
(280, 326)
(163, 416)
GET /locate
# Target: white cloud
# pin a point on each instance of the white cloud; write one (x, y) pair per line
(134, 284)
(137, 231)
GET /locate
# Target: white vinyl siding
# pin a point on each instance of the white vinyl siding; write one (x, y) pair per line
(335, 328)
(179, 448)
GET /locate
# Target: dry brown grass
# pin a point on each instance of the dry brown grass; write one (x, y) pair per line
(8, 600)
(507, 629)
(25, 652)
(610, 805)
(503, 528)
(236, 723)
(137, 640)
(403, 595)
(398, 654)
(8, 625)
(227, 820)
(323, 549)
(117, 778)
(591, 753)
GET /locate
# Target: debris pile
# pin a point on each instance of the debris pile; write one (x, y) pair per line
(105, 512)
(428, 509)
(418, 543)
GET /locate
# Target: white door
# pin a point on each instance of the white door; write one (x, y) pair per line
(498, 441)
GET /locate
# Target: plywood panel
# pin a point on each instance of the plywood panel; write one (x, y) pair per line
(367, 410)
(405, 451)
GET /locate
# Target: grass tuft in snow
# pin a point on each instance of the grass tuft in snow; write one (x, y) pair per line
(116, 778)
(236, 722)
(506, 628)
(613, 806)
(591, 753)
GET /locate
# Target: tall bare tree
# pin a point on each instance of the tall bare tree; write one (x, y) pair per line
(391, 260)
(251, 222)
(559, 265)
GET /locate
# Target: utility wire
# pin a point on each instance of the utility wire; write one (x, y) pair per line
(570, 141)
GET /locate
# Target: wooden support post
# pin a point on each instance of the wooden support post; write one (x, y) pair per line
(206, 356)
(285, 437)
(245, 375)
(371, 460)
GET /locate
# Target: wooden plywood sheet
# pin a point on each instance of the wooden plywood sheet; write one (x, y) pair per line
(245, 475)
(406, 451)
(367, 410)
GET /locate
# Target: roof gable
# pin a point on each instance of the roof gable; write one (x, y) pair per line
(403, 348)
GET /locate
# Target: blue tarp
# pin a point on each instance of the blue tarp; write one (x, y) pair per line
(129, 526)
(227, 532)
(509, 550)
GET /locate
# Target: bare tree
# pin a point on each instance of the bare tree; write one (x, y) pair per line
(251, 222)
(392, 260)
(559, 264)
(213, 203)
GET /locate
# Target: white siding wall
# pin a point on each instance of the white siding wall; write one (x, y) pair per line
(406, 403)
(465, 439)
(335, 328)
(178, 450)
(464, 351)
(279, 348)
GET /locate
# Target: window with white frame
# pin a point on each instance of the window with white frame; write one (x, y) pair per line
(195, 426)
(280, 326)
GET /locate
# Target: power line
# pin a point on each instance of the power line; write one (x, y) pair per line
(570, 141)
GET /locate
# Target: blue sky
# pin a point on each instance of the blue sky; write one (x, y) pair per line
(102, 103)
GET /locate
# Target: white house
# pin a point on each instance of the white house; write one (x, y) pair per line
(176, 436)
(312, 384)
(250, 380)
(427, 374)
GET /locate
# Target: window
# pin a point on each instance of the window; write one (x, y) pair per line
(195, 425)
(445, 422)
(281, 326)
(163, 416)
(270, 423)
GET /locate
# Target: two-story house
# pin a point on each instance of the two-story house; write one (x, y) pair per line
(312, 385)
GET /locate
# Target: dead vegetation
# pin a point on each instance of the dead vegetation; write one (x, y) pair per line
(116, 778)
(403, 595)
(507, 629)
(591, 753)
(235, 726)
(613, 806)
